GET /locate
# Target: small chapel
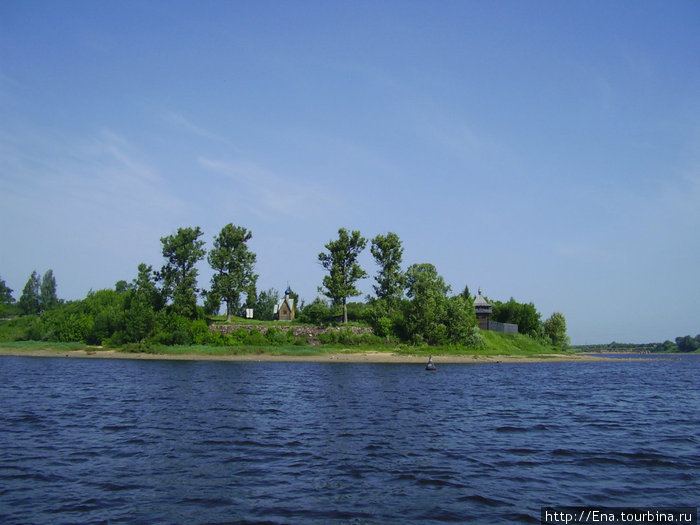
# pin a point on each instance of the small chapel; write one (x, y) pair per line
(284, 309)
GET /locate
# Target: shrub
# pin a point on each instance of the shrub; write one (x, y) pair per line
(277, 337)
(255, 338)
(199, 332)
(237, 337)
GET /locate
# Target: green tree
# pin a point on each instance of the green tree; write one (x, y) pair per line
(6, 299)
(47, 294)
(144, 300)
(234, 265)
(687, 343)
(555, 329)
(388, 254)
(428, 307)
(318, 312)
(460, 320)
(212, 302)
(182, 251)
(29, 302)
(265, 303)
(524, 315)
(106, 307)
(146, 288)
(343, 268)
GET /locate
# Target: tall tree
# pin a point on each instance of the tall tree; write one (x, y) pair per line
(343, 268)
(6, 299)
(144, 301)
(388, 254)
(146, 289)
(29, 300)
(234, 264)
(47, 295)
(182, 251)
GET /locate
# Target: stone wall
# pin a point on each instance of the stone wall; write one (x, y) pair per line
(309, 331)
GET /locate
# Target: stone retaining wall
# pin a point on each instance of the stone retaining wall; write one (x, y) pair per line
(311, 332)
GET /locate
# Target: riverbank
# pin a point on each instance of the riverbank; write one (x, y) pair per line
(330, 357)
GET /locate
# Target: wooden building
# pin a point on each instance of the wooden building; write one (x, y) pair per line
(284, 311)
(483, 311)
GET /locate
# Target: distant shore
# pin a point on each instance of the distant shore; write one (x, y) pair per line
(335, 357)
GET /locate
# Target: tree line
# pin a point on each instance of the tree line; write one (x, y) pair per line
(684, 343)
(160, 306)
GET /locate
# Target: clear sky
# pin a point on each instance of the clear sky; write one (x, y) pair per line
(547, 151)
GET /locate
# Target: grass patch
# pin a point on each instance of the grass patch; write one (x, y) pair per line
(46, 345)
(494, 344)
(289, 350)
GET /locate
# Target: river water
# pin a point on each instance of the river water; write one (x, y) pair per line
(127, 441)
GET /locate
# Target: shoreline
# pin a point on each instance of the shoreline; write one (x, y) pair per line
(335, 357)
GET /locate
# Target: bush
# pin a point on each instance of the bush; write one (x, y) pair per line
(237, 337)
(25, 328)
(115, 340)
(171, 329)
(474, 339)
(317, 313)
(255, 338)
(277, 337)
(199, 332)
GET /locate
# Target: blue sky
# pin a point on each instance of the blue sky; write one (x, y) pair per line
(548, 151)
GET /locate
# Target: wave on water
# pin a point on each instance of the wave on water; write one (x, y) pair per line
(124, 441)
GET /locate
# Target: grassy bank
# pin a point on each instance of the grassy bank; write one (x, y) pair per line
(495, 344)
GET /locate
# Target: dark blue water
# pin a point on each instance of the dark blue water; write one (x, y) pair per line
(122, 441)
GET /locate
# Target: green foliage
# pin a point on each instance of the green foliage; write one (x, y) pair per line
(234, 265)
(427, 311)
(343, 269)
(460, 320)
(275, 336)
(555, 329)
(171, 329)
(387, 319)
(212, 302)
(134, 315)
(346, 337)
(431, 316)
(688, 343)
(524, 315)
(182, 251)
(22, 328)
(199, 332)
(47, 294)
(29, 302)
(383, 327)
(388, 254)
(68, 324)
(255, 338)
(318, 313)
(7, 302)
(265, 303)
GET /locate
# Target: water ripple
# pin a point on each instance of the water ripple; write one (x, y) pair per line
(179, 442)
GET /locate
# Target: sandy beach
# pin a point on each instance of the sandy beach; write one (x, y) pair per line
(338, 357)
